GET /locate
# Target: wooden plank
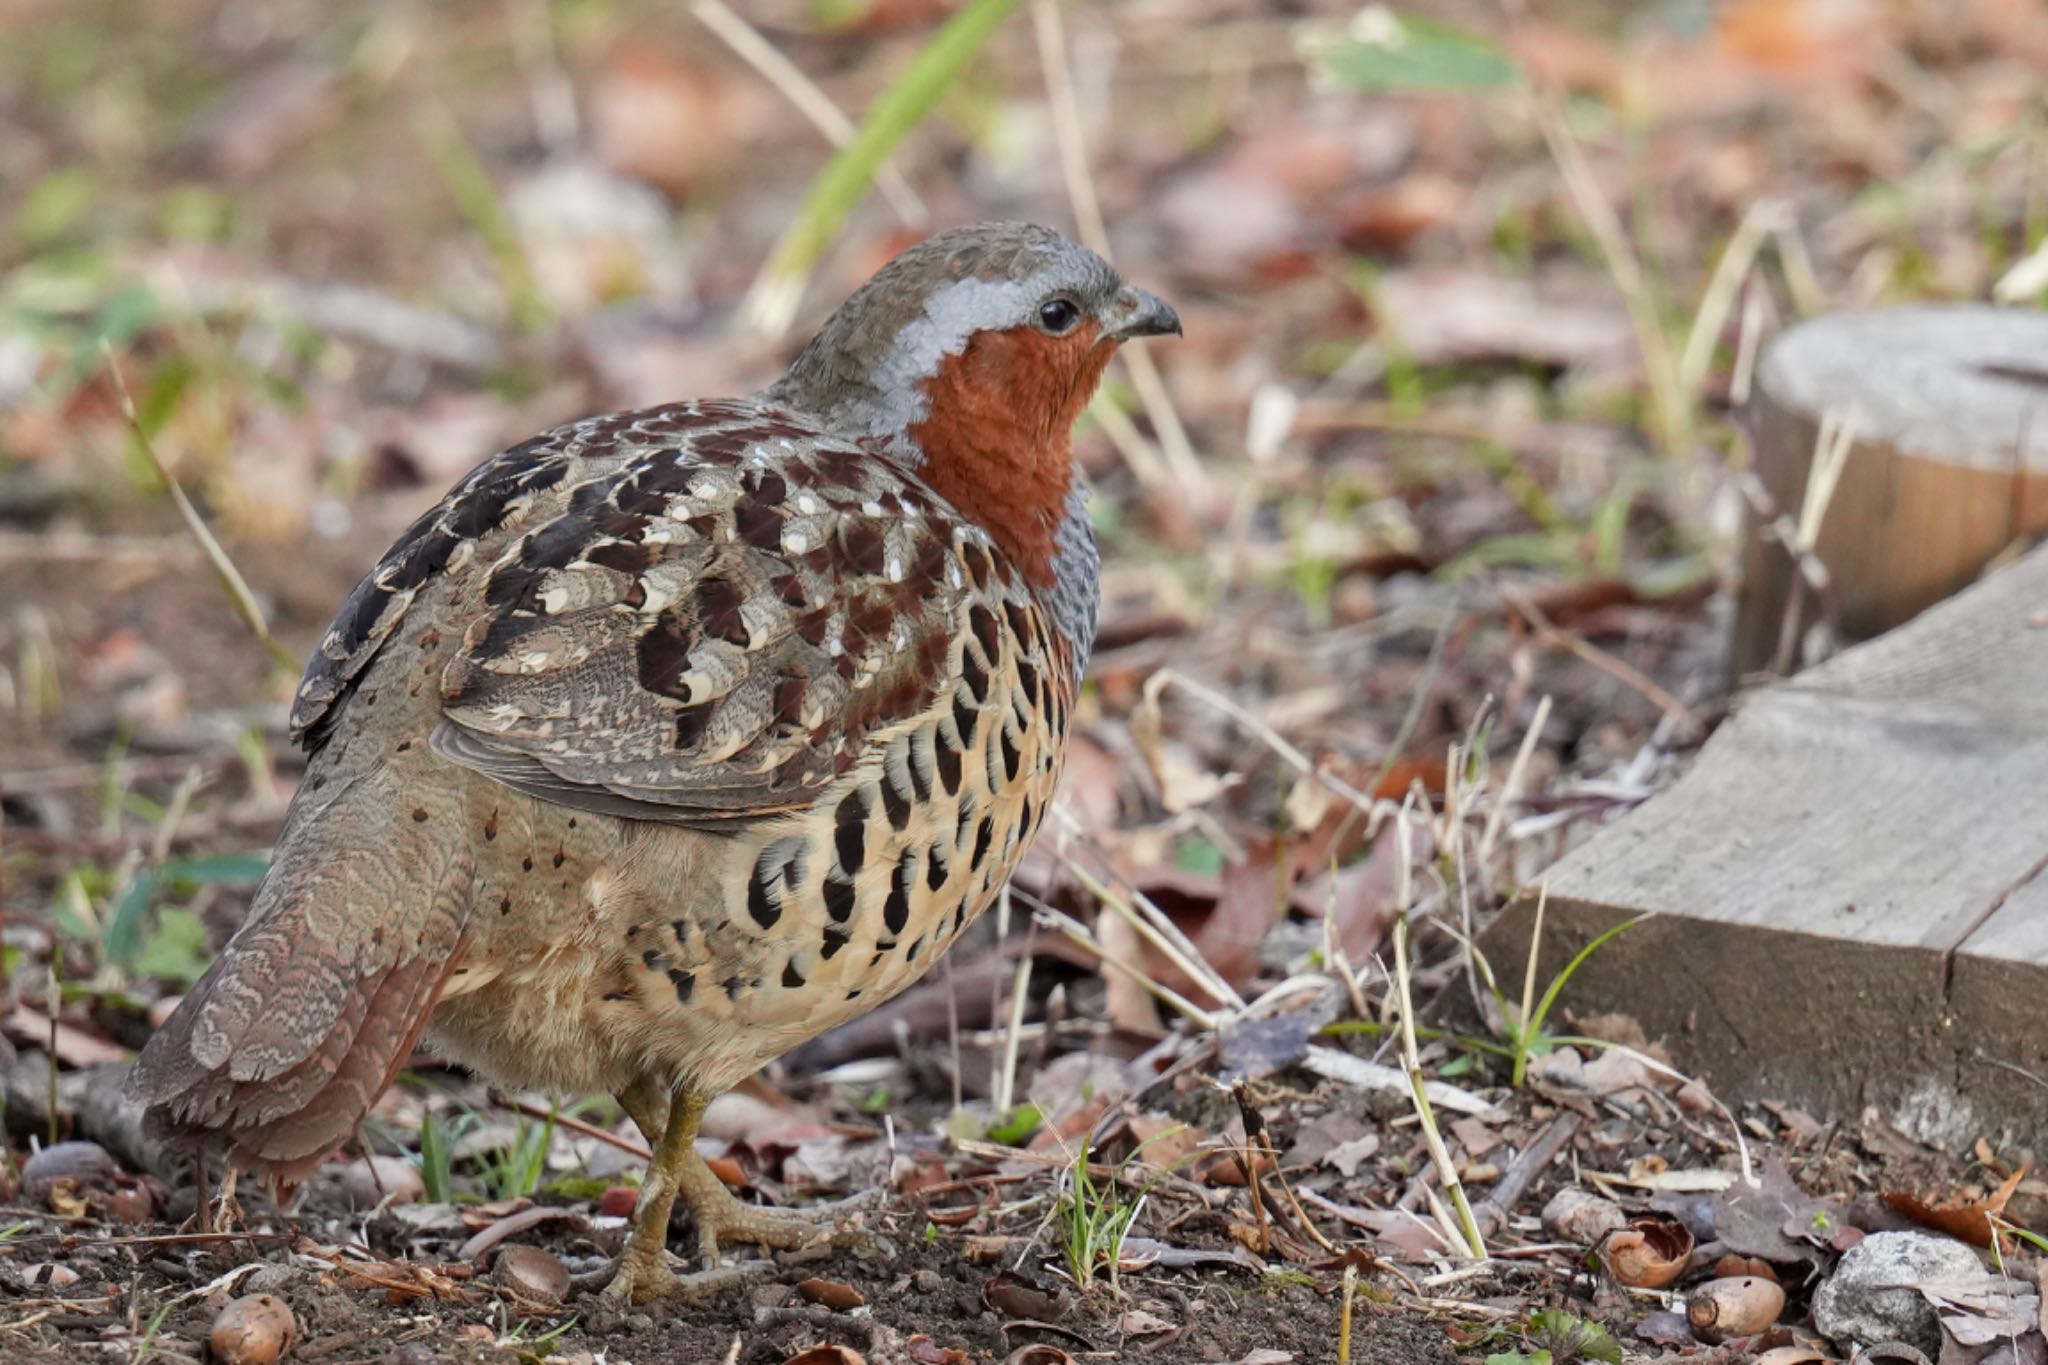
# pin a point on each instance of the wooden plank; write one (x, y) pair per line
(1848, 883)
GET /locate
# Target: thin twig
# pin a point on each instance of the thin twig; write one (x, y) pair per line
(1717, 301)
(575, 1125)
(1626, 674)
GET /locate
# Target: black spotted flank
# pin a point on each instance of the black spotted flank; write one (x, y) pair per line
(850, 833)
(732, 986)
(965, 718)
(791, 977)
(983, 623)
(839, 901)
(896, 909)
(895, 801)
(1022, 625)
(1013, 761)
(935, 870)
(761, 899)
(834, 940)
(982, 837)
(920, 765)
(684, 982)
(1028, 676)
(946, 756)
(973, 677)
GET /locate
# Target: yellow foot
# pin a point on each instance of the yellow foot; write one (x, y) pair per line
(722, 1219)
(634, 1280)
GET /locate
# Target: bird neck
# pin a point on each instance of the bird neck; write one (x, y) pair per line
(990, 429)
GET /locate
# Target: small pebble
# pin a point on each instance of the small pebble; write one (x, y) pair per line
(618, 1202)
(928, 1281)
(771, 1295)
(530, 1271)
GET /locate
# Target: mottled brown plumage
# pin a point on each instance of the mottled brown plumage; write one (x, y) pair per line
(672, 738)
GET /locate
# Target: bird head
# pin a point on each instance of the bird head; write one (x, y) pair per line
(968, 357)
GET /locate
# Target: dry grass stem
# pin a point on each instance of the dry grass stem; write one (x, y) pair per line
(1511, 785)
(1179, 462)
(1152, 923)
(1293, 757)
(1660, 367)
(1005, 1097)
(1081, 936)
(1440, 1156)
(1717, 301)
(231, 580)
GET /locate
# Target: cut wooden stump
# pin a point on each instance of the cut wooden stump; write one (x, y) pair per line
(1849, 889)
(1949, 463)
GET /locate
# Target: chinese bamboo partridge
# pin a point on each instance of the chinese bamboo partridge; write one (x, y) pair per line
(673, 738)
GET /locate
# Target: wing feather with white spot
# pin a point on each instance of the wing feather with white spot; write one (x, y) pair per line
(717, 629)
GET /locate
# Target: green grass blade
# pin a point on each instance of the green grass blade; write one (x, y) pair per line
(846, 178)
(1533, 1025)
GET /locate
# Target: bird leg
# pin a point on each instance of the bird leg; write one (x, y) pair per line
(642, 1273)
(221, 1213)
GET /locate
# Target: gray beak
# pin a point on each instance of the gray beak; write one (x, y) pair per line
(1136, 313)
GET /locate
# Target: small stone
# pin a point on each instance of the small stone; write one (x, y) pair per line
(617, 1202)
(530, 1271)
(771, 1295)
(1863, 1304)
(928, 1281)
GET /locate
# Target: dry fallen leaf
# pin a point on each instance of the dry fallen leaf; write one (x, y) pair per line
(1965, 1217)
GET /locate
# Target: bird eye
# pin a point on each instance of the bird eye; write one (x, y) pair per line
(1058, 315)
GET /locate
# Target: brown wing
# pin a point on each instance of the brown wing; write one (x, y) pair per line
(715, 630)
